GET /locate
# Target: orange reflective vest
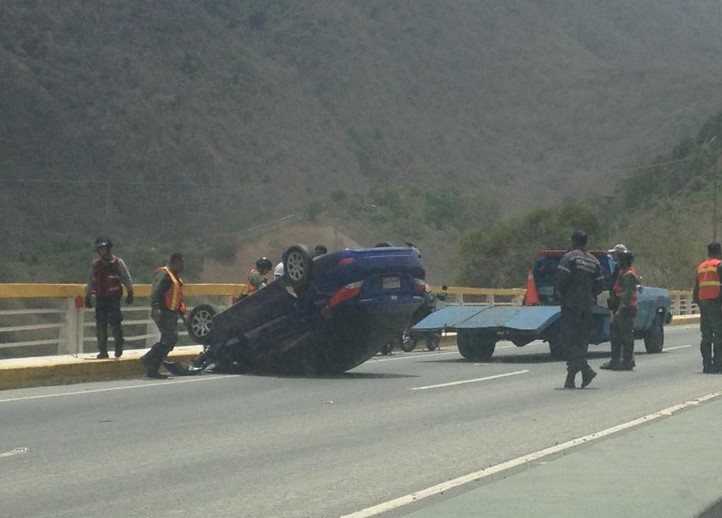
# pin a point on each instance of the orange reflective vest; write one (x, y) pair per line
(618, 289)
(708, 279)
(173, 296)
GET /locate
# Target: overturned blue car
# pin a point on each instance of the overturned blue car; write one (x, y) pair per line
(326, 315)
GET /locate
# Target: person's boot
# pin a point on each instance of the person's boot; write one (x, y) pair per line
(614, 362)
(569, 382)
(151, 365)
(588, 375)
(101, 332)
(118, 341)
(626, 365)
(611, 365)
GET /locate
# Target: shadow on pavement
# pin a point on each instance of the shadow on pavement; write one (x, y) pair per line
(714, 511)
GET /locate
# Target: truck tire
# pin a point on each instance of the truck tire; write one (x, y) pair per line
(200, 322)
(433, 340)
(654, 337)
(297, 263)
(475, 346)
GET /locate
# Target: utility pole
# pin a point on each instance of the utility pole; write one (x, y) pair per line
(714, 197)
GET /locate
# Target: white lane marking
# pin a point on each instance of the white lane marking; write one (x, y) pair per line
(165, 383)
(463, 382)
(15, 451)
(483, 473)
(677, 347)
(409, 356)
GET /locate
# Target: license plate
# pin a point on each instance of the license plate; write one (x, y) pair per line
(391, 283)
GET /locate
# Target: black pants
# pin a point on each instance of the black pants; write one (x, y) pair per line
(621, 335)
(107, 312)
(710, 324)
(577, 330)
(168, 327)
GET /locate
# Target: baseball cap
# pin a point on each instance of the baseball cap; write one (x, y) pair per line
(617, 248)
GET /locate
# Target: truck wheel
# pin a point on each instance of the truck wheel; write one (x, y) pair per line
(432, 341)
(475, 346)
(200, 322)
(297, 262)
(654, 337)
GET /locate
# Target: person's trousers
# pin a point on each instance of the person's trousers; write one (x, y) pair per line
(168, 327)
(621, 335)
(577, 328)
(710, 324)
(107, 312)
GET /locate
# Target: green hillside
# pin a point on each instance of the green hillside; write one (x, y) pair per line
(163, 121)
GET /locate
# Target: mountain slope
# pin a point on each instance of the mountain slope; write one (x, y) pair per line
(252, 109)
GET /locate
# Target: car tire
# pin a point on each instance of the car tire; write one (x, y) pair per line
(408, 342)
(474, 345)
(200, 322)
(297, 264)
(654, 337)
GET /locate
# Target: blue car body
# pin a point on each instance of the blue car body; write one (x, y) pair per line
(353, 301)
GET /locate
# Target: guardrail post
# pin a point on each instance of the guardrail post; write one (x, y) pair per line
(70, 340)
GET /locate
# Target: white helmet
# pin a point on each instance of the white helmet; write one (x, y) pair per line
(278, 270)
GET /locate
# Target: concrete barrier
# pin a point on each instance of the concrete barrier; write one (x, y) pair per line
(68, 369)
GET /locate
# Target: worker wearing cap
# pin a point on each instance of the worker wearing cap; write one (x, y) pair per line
(708, 296)
(623, 303)
(578, 281)
(614, 252)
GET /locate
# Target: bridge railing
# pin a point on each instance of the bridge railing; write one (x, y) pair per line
(48, 319)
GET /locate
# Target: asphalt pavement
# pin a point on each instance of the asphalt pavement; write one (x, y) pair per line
(668, 465)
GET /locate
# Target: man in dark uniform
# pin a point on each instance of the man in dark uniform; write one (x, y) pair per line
(623, 303)
(167, 305)
(708, 296)
(578, 281)
(108, 275)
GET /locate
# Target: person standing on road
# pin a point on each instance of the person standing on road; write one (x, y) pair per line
(108, 275)
(167, 305)
(707, 295)
(615, 255)
(578, 281)
(623, 303)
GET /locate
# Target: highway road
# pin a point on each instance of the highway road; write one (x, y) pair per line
(252, 446)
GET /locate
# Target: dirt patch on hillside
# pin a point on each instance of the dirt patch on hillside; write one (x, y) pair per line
(272, 244)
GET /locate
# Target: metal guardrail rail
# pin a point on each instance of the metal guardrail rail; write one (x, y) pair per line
(60, 324)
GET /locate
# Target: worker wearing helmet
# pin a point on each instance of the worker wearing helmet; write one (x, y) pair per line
(258, 276)
(623, 303)
(108, 275)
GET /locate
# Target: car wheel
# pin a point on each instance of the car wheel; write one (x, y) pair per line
(297, 263)
(432, 341)
(475, 346)
(408, 342)
(200, 322)
(654, 337)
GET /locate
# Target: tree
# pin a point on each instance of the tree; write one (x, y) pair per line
(500, 257)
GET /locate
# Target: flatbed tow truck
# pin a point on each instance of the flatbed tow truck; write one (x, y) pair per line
(479, 327)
